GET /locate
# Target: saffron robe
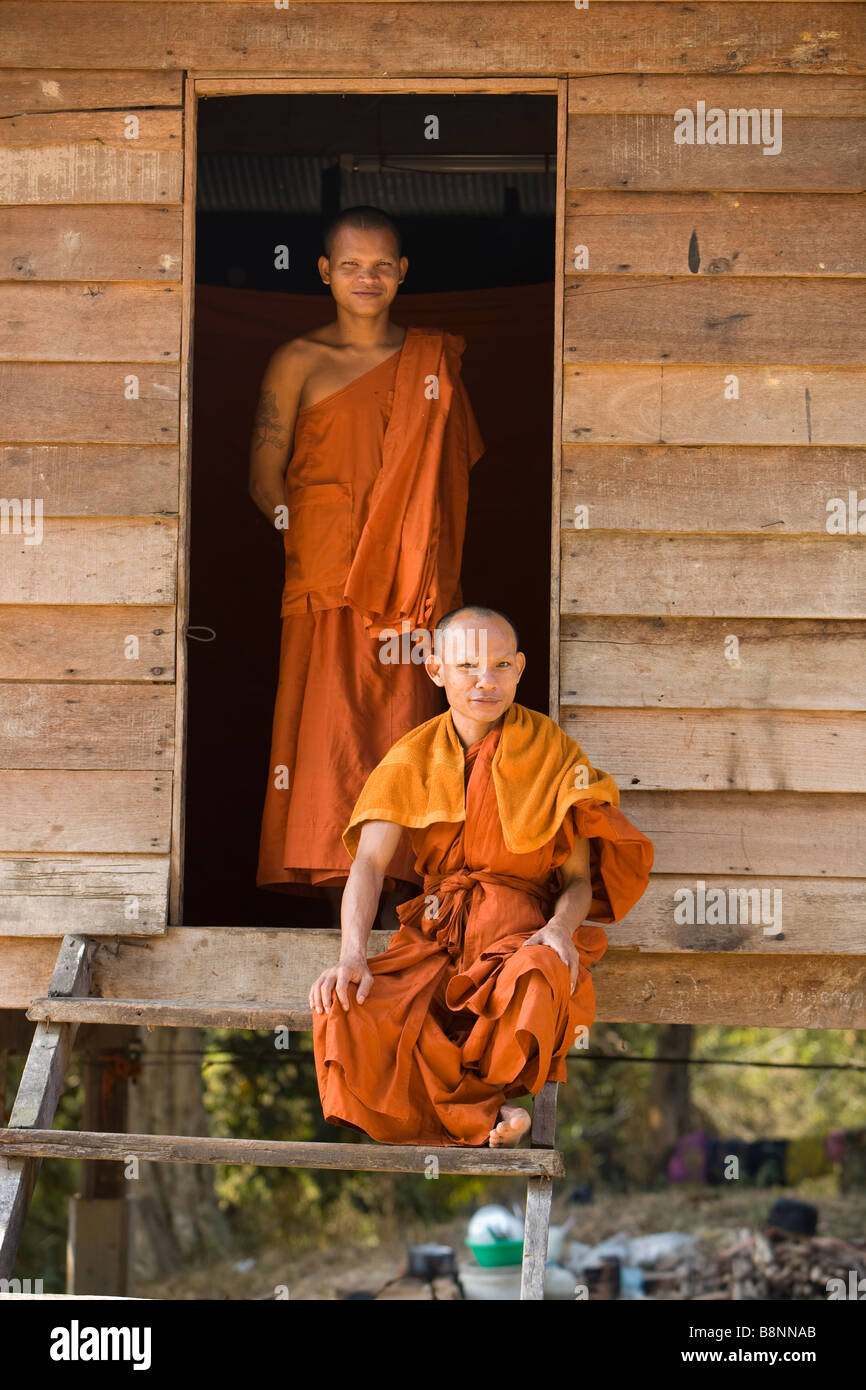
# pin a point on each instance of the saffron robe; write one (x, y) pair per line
(463, 1016)
(376, 489)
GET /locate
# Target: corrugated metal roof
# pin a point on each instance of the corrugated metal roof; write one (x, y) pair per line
(292, 183)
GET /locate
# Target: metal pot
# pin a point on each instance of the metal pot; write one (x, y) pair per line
(431, 1261)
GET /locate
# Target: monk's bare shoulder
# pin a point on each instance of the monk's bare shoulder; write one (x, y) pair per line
(282, 393)
(298, 367)
(293, 362)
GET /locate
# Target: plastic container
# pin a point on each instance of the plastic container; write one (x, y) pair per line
(497, 1253)
(491, 1284)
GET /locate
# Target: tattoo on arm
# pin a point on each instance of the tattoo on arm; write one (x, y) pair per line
(266, 426)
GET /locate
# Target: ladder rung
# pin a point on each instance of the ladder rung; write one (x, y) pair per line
(170, 1013)
(360, 1157)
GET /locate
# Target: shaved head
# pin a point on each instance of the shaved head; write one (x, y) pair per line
(362, 218)
(478, 616)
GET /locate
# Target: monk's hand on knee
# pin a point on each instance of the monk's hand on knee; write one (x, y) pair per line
(558, 937)
(320, 991)
(352, 970)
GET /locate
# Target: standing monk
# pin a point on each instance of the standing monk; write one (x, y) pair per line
(479, 995)
(365, 436)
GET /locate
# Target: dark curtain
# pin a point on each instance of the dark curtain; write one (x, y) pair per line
(237, 557)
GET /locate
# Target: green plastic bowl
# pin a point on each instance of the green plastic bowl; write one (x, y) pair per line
(498, 1252)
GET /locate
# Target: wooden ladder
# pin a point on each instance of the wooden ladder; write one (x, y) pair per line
(29, 1137)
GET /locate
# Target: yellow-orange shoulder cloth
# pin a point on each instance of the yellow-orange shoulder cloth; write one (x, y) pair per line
(538, 772)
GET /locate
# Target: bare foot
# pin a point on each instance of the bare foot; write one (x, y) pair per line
(514, 1122)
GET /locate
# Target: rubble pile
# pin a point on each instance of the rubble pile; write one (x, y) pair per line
(768, 1264)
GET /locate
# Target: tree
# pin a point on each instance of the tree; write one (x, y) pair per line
(178, 1214)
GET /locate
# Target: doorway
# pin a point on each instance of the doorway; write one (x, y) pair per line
(471, 181)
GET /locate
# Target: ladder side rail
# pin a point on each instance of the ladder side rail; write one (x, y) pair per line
(39, 1093)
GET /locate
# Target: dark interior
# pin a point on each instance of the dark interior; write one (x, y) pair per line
(476, 208)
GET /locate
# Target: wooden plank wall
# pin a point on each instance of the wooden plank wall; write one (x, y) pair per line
(712, 624)
(91, 174)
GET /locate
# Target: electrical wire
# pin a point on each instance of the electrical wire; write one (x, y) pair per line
(279, 1055)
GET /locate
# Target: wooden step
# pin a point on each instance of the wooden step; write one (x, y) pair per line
(172, 1013)
(354, 1157)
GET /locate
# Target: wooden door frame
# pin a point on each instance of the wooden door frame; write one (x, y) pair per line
(233, 84)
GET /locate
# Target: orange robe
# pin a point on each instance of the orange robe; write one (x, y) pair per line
(461, 1015)
(376, 489)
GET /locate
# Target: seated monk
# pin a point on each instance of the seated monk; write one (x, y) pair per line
(482, 990)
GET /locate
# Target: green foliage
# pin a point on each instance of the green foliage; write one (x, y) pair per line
(762, 1103)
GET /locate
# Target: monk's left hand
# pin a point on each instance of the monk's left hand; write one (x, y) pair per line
(558, 938)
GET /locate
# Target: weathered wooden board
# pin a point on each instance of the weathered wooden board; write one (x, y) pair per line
(40, 1090)
(167, 1013)
(228, 85)
(713, 576)
(777, 491)
(89, 402)
(276, 1153)
(702, 233)
(126, 129)
(692, 663)
(536, 1234)
(31, 90)
(396, 2)
(659, 94)
(92, 560)
(741, 914)
(242, 964)
(61, 642)
(712, 750)
(91, 323)
(92, 243)
(820, 835)
(66, 725)
(770, 914)
(96, 322)
(195, 964)
(393, 39)
(87, 157)
(637, 151)
(760, 991)
(85, 812)
(108, 895)
(27, 963)
(93, 479)
(177, 811)
(702, 319)
(691, 404)
(554, 606)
